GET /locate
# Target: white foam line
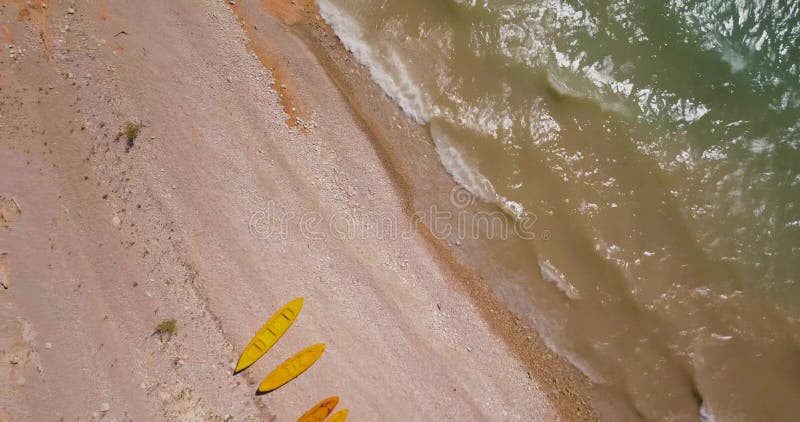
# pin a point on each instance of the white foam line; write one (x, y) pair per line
(390, 73)
(387, 70)
(470, 178)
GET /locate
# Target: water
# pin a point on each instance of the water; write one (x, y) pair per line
(658, 143)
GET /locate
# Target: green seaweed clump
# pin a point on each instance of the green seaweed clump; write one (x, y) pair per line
(166, 329)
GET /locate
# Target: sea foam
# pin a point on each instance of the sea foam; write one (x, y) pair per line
(390, 73)
(386, 69)
(471, 179)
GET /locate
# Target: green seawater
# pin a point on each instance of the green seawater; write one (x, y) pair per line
(658, 144)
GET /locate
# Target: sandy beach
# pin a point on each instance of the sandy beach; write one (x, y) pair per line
(261, 148)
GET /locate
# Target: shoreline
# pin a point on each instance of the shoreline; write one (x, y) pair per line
(112, 237)
(565, 385)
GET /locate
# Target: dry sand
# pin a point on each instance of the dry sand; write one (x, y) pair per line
(100, 239)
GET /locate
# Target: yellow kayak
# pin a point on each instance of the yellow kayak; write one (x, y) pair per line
(290, 369)
(269, 334)
(339, 416)
(320, 411)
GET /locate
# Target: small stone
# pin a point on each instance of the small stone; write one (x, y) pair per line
(70, 11)
(115, 220)
(48, 345)
(14, 359)
(105, 407)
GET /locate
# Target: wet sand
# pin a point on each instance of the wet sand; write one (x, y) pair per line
(104, 237)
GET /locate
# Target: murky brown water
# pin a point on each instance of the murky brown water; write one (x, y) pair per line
(657, 147)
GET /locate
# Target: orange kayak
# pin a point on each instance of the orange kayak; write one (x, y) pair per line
(320, 411)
